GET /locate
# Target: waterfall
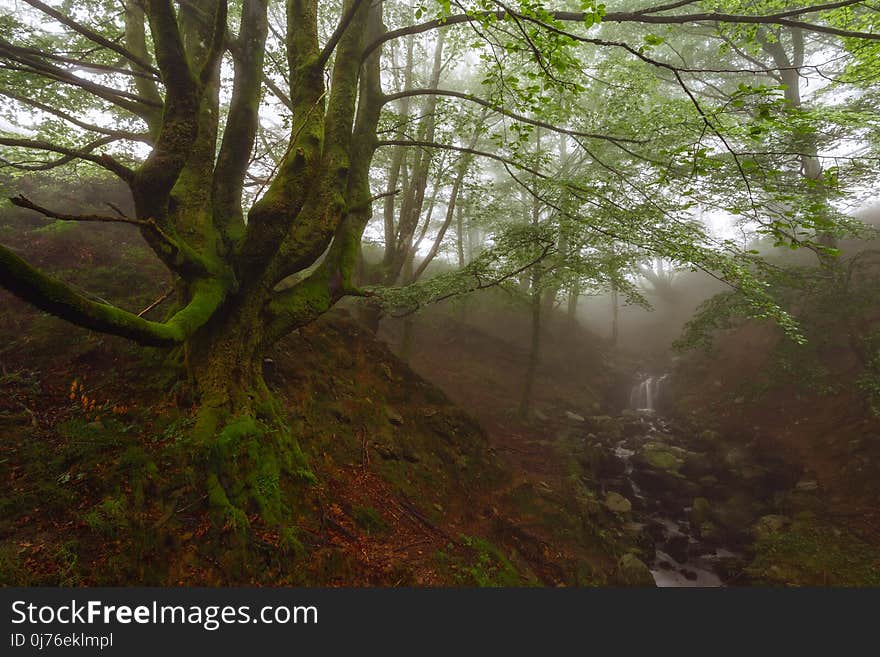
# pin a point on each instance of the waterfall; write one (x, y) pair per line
(645, 393)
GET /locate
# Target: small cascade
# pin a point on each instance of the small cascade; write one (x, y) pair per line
(646, 392)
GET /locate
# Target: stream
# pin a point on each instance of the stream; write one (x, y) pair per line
(681, 558)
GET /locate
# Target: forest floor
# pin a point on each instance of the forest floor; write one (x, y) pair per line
(407, 490)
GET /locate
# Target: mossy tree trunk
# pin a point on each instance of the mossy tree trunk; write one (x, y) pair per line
(244, 278)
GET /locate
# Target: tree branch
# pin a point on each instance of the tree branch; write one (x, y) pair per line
(91, 35)
(105, 161)
(334, 39)
(642, 17)
(57, 298)
(501, 110)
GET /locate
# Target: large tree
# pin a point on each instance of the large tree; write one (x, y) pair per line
(170, 97)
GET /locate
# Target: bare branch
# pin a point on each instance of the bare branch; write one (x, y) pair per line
(103, 160)
(91, 35)
(501, 110)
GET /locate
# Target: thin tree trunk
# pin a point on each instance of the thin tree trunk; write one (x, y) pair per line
(615, 309)
(525, 404)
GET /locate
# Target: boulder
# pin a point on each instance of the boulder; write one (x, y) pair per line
(736, 515)
(660, 457)
(708, 531)
(677, 548)
(617, 503)
(632, 571)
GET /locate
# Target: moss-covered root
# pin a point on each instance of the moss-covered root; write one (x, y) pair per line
(253, 464)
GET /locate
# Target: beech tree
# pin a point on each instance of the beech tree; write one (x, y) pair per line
(171, 96)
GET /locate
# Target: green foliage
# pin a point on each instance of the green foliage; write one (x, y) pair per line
(484, 566)
(813, 554)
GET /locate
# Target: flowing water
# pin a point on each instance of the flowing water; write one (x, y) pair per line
(694, 563)
(646, 392)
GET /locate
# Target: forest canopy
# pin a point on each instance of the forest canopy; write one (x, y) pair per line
(266, 145)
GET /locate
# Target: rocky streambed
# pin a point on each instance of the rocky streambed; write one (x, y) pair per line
(693, 501)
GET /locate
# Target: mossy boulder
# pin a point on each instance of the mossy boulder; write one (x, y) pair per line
(661, 457)
(617, 503)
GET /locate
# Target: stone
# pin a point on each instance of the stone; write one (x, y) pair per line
(806, 485)
(700, 511)
(661, 456)
(735, 515)
(632, 571)
(708, 531)
(677, 548)
(574, 417)
(393, 416)
(617, 503)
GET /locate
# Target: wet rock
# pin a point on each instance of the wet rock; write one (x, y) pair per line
(656, 530)
(677, 548)
(729, 568)
(617, 503)
(689, 574)
(599, 462)
(632, 571)
(638, 531)
(708, 531)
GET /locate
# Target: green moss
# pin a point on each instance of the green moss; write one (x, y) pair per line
(488, 567)
(108, 518)
(661, 457)
(369, 519)
(811, 553)
(231, 515)
(13, 572)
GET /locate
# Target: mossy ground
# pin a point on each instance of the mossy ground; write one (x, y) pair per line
(815, 552)
(385, 481)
